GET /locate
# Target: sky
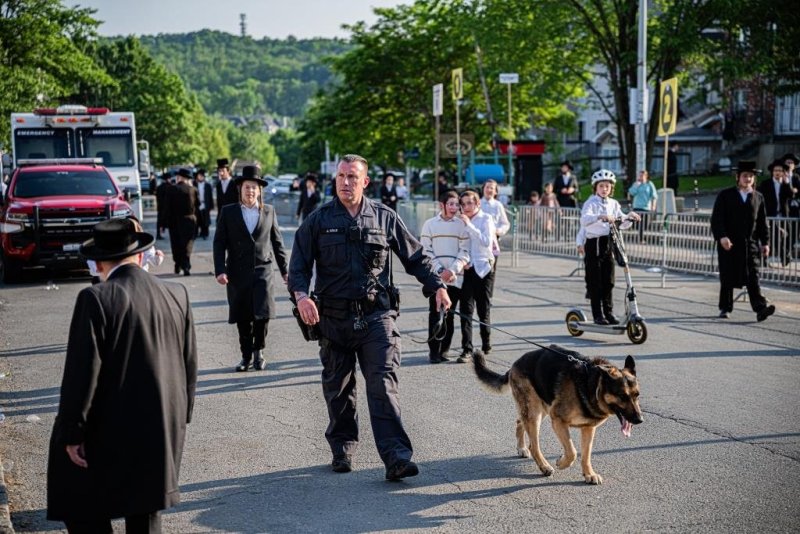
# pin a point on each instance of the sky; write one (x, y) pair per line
(276, 19)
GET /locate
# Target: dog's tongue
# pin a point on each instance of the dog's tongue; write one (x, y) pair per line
(627, 426)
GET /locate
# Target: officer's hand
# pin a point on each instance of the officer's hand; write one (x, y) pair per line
(726, 243)
(308, 311)
(222, 279)
(77, 455)
(442, 299)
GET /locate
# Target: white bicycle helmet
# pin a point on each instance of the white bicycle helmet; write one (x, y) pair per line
(603, 175)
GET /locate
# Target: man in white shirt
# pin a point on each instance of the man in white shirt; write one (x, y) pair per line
(494, 208)
(445, 240)
(476, 291)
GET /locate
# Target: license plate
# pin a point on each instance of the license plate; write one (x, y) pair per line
(72, 247)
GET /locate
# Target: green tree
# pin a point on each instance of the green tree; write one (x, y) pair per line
(382, 103)
(42, 55)
(289, 150)
(251, 143)
(168, 115)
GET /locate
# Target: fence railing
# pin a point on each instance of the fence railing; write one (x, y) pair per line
(682, 243)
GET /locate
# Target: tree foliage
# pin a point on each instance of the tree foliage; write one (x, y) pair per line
(43, 55)
(235, 75)
(382, 103)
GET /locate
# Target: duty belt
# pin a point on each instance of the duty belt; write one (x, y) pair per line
(343, 308)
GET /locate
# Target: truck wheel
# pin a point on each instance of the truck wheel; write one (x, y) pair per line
(10, 271)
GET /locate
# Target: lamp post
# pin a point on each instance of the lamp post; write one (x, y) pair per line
(510, 78)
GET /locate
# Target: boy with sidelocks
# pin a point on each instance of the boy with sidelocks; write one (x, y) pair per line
(598, 213)
(445, 241)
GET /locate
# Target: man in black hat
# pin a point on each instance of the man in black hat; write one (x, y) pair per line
(206, 195)
(126, 395)
(566, 186)
(248, 234)
(777, 194)
(226, 191)
(161, 202)
(739, 225)
(181, 214)
(791, 161)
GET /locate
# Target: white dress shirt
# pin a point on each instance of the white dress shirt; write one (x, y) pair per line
(596, 207)
(482, 234)
(250, 216)
(496, 209)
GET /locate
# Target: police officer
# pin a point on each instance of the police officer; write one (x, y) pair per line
(349, 240)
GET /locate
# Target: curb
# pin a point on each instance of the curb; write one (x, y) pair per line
(5, 517)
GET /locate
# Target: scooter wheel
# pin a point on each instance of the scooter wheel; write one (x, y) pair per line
(637, 332)
(573, 317)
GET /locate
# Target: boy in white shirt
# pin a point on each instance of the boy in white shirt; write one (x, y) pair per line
(598, 213)
(476, 292)
(445, 240)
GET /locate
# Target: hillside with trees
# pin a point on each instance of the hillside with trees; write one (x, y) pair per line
(234, 75)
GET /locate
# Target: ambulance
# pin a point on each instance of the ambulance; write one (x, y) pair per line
(78, 132)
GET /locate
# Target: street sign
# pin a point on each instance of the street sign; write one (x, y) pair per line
(448, 145)
(438, 99)
(412, 153)
(509, 77)
(458, 84)
(668, 115)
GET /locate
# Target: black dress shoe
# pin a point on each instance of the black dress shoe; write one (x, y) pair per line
(259, 363)
(435, 358)
(177, 269)
(342, 464)
(724, 314)
(611, 318)
(186, 272)
(402, 469)
(486, 349)
(243, 366)
(444, 357)
(600, 321)
(765, 312)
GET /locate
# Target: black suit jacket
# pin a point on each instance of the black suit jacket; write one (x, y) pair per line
(745, 224)
(230, 196)
(307, 203)
(248, 260)
(777, 206)
(182, 201)
(127, 393)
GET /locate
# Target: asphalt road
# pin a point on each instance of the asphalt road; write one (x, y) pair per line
(719, 450)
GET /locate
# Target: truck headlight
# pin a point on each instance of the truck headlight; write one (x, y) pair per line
(121, 213)
(10, 228)
(18, 217)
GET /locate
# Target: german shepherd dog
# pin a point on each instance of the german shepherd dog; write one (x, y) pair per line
(574, 391)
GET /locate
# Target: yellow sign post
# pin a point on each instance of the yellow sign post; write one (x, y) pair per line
(667, 122)
(457, 76)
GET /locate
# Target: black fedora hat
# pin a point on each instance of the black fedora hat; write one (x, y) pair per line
(747, 166)
(222, 163)
(792, 157)
(568, 164)
(777, 163)
(114, 240)
(186, 173)
(251, 173)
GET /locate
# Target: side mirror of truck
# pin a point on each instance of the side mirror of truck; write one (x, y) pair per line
(126, 193)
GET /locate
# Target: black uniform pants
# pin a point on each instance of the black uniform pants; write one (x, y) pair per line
(181, 239)
(252, 336)
(376, 348)
(599, 268)
(757, 300)
(134, 524)
(440, 346)
(476, 292)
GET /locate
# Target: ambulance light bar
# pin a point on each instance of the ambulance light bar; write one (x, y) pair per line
(59, 161)
(71, 110)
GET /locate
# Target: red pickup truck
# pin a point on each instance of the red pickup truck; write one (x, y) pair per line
(49, 209)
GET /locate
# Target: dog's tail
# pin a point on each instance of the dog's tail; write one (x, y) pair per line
(493, 381)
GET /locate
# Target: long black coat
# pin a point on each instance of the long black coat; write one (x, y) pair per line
(776, 206)
(565, 201)
(745, 224)
(248, 260)
(306, 203)
(127, 394)
(230, 196)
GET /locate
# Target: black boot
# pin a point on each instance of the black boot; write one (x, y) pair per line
(597, 313)
(259, 363)
(608, 312)
(244, 365)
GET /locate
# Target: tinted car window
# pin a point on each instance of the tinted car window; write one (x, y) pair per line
(63, 183)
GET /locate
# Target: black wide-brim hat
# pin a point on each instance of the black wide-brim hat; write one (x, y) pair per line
(186, 173)
(115, 239)
(777, 163)
(747, 166)
(222, 163)
(792, 157)
(568, 164)
(250, 173)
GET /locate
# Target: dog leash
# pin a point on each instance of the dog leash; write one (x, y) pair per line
(510, 334)
(439, 330)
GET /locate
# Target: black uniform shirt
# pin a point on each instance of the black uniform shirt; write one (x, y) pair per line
(352, 253)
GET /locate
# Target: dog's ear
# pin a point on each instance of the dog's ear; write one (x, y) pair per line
(630, 365)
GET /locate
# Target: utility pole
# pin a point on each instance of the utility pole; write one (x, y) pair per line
(641, 90)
